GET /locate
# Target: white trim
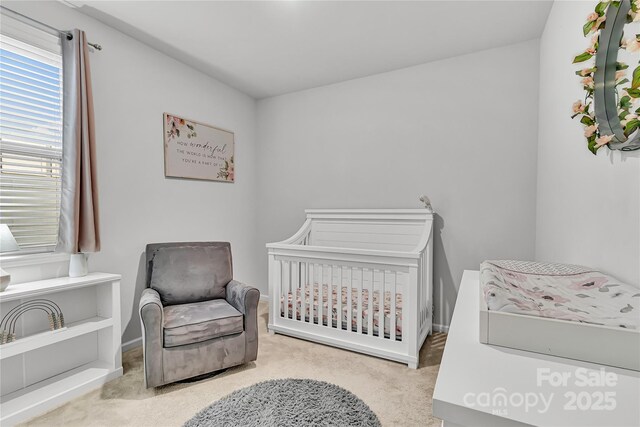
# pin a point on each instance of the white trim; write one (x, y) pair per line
(130, 345)
(440, 328)
(38, 258)
(264, 297)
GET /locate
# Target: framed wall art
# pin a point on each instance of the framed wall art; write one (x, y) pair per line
(197, 151)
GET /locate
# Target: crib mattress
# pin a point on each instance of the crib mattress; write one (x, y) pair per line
(560, 291)
(560, 310)
(305, 292)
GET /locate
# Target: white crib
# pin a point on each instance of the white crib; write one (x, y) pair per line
(373, 252)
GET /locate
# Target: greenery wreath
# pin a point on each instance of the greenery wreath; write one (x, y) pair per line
(630, 94)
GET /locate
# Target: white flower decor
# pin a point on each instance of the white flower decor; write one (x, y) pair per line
(596, 21)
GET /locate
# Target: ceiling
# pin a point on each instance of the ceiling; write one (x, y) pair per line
(268, 48)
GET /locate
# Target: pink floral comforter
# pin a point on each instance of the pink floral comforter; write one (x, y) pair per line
(375, 308)
(560, 291)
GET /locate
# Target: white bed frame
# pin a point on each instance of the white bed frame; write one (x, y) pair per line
(605, 345)
(383, 250)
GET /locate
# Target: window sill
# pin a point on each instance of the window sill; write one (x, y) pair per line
(24, 260)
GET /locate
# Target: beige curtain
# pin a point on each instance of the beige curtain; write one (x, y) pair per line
(79, 221)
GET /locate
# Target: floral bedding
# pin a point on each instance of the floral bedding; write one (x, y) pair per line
(375, 308)
(560, 291)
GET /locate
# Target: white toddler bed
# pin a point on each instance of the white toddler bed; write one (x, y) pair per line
(359, 279)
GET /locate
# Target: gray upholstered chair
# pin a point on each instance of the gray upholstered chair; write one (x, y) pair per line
(195, 318)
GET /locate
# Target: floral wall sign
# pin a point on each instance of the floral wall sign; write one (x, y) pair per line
(609, 112)
(198, 151)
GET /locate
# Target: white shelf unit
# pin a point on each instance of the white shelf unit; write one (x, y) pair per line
(43, 369)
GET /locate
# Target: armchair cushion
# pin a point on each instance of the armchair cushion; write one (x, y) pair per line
(187, 274)
(201, 321)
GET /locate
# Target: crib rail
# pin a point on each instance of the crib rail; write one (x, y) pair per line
(323, 253)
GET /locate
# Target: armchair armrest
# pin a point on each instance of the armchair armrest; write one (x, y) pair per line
(150, 296)
(242, 297)
(152, 321)
(245, 298)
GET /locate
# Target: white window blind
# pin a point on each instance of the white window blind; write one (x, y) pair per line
(30, 133)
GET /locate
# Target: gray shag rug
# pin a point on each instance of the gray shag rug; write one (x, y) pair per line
(287, 402)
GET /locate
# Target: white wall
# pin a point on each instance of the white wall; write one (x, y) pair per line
(462, 130)
(133, 85)
(588, 206)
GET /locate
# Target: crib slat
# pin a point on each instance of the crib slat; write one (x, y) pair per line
(280, 287)
(300, 275)
(392, 305)
(303, 286)
(381, 301)
(370, 306)
(359, 309)
(292, 286)
(309, 300)
(330, 298)
(312, 281)
(350, 300)
(339, 301)
(283, 288)
(328, 295)
(325, 293)
(312, 294)
(295, 288)
(287, 287)
(321, 296)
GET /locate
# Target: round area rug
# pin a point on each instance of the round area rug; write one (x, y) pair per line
(287, 402)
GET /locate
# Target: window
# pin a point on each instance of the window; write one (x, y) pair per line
(30, 134)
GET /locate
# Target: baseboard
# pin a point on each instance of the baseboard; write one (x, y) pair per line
(264, 297)
(440, 328)
(130, 345)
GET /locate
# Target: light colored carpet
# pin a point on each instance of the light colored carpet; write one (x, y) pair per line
(398, 395)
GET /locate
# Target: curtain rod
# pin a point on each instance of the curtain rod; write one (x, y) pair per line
(69, 35)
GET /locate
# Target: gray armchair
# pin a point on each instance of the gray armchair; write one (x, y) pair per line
(195, 318)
